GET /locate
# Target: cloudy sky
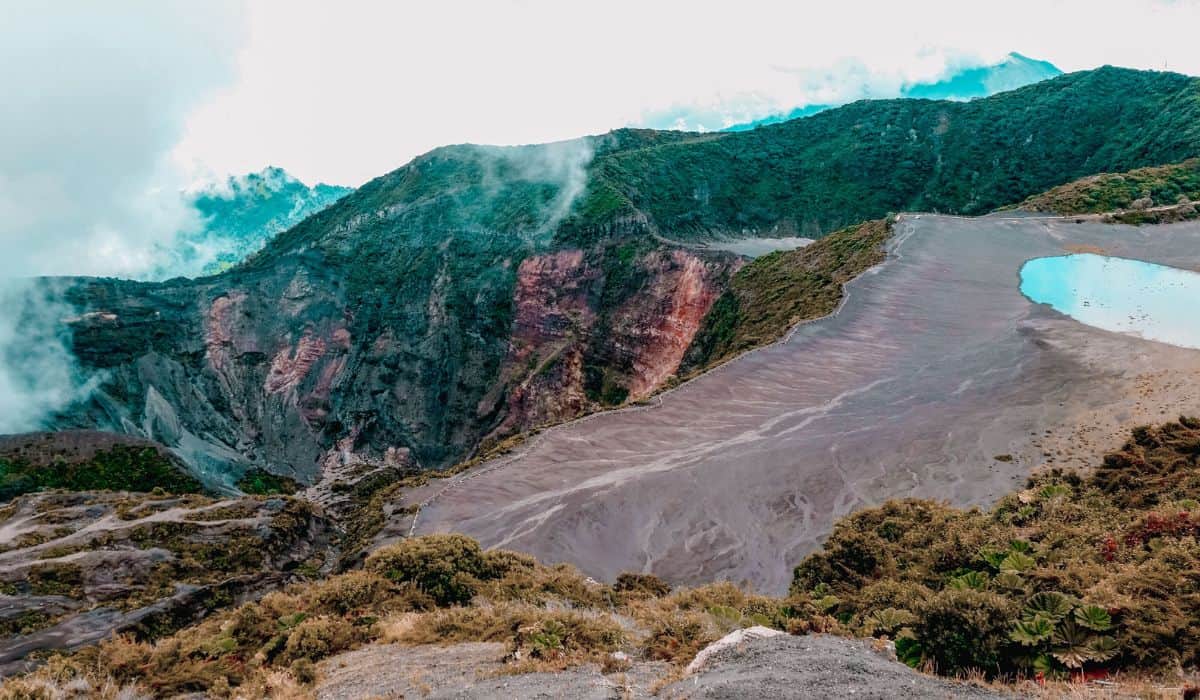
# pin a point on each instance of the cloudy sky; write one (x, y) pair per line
(110, 108)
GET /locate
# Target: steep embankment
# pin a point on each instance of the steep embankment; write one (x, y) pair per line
(478, 292)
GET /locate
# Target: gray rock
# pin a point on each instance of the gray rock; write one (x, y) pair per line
(813, 667)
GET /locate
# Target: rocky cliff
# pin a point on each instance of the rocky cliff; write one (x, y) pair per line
(393, 335)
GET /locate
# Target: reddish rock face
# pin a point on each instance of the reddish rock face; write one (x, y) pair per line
(219, 329)
(560, 327)
(291, 365)
(553, 318)
(665, 326)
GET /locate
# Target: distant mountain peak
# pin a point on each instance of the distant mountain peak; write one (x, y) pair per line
(1014, 71)
(240, 214)
(961, 82)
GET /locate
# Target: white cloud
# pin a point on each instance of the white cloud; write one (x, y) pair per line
(97, 94)
(344, 92)
(95, 98)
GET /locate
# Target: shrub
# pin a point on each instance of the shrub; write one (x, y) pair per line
(564, 634)
(499, 563)
(447, 567)
(263, 483)
(305, 671)
(1058, 631)
(487, 623)
(352, 591)
(561, 583)
(961, 630)
(641, 585)
(678, 637)
(316, 638)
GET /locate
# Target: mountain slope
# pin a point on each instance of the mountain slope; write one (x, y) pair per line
(814, 175)
(479, 292)
(1015, 71)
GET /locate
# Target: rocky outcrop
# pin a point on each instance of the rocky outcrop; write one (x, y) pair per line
(814, 666)
(589, 332)
(228, 373)
(77, 567)
(291, 367)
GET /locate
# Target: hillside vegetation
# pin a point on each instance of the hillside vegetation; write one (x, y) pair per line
(87, 461)
(818, 174)
(775, 292)
(1096, 571)
(1136, 191)
(1074, 572)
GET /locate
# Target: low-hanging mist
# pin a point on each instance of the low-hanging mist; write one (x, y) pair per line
(38, 373)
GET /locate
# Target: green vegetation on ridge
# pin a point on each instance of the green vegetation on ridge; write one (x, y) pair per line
(119, 468)
(775, 292)
(262, 483)
(1159, 186)
(859, 162)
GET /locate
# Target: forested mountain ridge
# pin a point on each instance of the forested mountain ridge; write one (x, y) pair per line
(861, 161)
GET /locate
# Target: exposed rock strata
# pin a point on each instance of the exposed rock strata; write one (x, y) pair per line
(77, 567)
(277, 368)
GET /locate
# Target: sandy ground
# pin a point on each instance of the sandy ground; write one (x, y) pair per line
(935, 365)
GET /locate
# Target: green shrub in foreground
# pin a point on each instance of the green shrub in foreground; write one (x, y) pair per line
(446, 567)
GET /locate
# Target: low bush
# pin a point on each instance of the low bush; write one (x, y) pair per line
(446, 567)
(314, 639)
(641, 585)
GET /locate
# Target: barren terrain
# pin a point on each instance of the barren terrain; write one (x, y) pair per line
(934, 367)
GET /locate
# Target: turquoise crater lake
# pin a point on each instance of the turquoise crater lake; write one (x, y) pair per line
(1126, 296)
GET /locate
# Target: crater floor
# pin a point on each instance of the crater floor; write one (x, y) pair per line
(935, 365)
